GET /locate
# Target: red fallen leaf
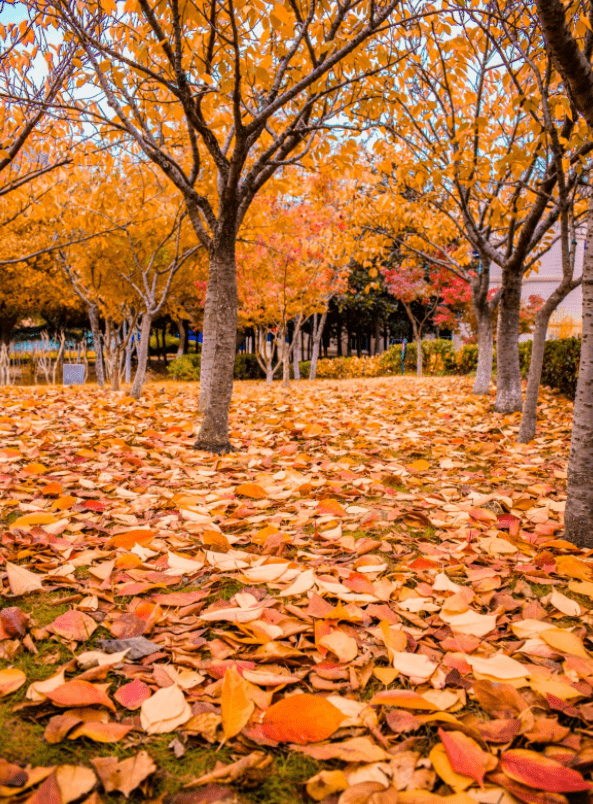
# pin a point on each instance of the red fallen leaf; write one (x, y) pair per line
(301, 719)
(180, 598)
(48, 793)
(253, 490)
(73, 624)
(501, 730)
(79, 693)
(131, 537)
(482, 515)
(466, 756)
(94, 505)
(100, 732)
(14, 621)
(423, 563)
(331, 507)
(536, 770)
(132, 695)
(401, 721)
(523, 793)
(508, 522)
(405, 699)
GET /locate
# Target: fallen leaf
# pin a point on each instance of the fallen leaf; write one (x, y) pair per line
(301, 719)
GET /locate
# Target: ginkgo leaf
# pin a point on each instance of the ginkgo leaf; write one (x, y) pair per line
(301, 719)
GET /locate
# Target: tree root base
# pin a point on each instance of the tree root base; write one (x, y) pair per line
(216, 448)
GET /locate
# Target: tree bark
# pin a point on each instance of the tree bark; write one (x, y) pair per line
(508, 371)
(286, 366)
(182, 336)
(96, 330)
(140, 375)
(296, 355)
(218, 349)
(317, 332)
(339, 335)
(418, 338)
(578, 517)
(485, 351)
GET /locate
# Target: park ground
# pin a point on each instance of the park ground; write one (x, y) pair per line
(383, 546)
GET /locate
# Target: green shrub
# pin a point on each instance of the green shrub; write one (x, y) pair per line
(525, 357)
(247, 367)
(467, 358)
(186, 367)
(561, 365)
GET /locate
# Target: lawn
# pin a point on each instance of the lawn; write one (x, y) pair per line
(382, 547)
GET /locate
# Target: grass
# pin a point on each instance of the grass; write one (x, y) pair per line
(282, 782)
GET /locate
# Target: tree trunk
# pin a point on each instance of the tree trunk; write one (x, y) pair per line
(182, 336)
(339, 335)
(485, 350)
(296, 355)
(142, 352)
(578, 517)
(286, 367)
(317, 332)
(418, 338)
(164, 337)
(96, 330)
(114, 370)
(378, 345)
(508, 372)
(218, 349)
(529, 417)
(128, 357)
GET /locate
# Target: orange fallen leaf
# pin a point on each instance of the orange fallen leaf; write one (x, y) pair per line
(253, 490)
(301, 719)
(79, 693)
(131, 537)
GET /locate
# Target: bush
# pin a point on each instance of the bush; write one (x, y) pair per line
(560, 370)
(525, 357)
(247, 367)
(561, 365)
(467, 359)
(186, 367)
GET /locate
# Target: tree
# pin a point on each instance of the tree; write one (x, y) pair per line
(417, 287)
(291, 262)
(127, 273)
(220, 96)
(469, 144)
(571, 44)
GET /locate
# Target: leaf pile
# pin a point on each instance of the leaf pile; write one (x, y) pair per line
(377, 580)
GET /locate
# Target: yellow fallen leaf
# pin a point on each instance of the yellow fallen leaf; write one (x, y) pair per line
(440, 762)
(564, 641)
(33, 519)
(236, 706)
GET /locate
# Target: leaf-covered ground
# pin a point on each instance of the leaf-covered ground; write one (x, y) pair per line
(370, 601)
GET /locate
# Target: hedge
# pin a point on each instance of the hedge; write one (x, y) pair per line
(560, 370)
